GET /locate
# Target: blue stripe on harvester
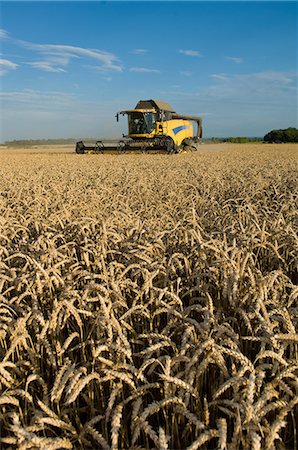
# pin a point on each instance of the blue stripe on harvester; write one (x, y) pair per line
(182, 127)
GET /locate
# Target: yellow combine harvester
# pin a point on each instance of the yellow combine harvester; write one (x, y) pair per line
(153, 126)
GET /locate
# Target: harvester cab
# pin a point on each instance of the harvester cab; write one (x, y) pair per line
(140, 122)
(153, 126)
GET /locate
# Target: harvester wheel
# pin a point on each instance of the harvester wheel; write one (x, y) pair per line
(121, 147)
(99, 147)
(80, 148)
(195, 147)
(171, 146)
(190, 145)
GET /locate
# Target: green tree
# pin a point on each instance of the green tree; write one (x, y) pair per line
(287, 135)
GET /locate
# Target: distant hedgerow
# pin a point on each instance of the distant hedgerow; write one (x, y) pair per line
(287, 135)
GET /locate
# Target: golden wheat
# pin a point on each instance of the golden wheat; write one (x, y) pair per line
(149, 301)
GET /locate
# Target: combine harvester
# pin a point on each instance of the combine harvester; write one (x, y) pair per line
(153, 126)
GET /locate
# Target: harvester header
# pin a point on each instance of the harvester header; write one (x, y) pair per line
(153, 126)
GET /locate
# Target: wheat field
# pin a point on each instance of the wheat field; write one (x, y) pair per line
(149, 301)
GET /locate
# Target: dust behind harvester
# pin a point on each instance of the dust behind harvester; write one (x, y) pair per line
(153, 126)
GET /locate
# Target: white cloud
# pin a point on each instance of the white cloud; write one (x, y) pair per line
(234, 59)
(3, 33)
(270, 90)
(139, 51)
(45, 114)
(143, 70)
(6, 65)
(36, 100)
(46, 66)
(268, 93)
(253, 85)
(248, 104)
(282, 78)
(190, 52)
(219, 76)
(55, 57)
(60, 55)
(185, 73)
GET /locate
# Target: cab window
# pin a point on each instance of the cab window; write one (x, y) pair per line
(141, 123)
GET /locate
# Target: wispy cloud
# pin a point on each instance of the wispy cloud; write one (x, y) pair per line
(261, 87)
(143, 70)
(139, 51)
(234, 59)
(281, 78)
(46, 66)
(249, 104)
(190, 52)
(185, 73)
(36, 99)
(219, 76)
(264, 79)
(3, 34)
(42, 114)
(57, 55)
(6, 66)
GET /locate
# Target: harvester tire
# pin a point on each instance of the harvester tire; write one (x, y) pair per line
(171, 146)
(190, 145)
(80, 148)
(194, 147)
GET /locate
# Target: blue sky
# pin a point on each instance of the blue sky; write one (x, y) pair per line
(68, 67)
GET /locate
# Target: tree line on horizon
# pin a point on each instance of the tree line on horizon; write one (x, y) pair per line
(278, 136)
(30, 142)
(288, 135)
